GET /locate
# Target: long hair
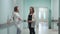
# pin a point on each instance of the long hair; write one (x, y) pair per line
(32, 10)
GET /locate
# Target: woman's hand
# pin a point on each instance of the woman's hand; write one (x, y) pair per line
(19, 19)
(0, 25)
(8, 22)
(30, 21)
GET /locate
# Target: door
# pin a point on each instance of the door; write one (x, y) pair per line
(43, 15)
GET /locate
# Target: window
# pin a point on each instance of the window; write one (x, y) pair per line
(42, 13)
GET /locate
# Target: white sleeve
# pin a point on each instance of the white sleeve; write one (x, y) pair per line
(18, 16)
(33, 18)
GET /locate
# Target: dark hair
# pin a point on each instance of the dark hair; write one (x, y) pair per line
(32, 9)
(15, 8)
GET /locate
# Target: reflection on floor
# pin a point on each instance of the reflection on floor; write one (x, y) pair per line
(42, 29)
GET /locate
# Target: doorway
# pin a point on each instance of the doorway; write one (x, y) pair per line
(43, 14)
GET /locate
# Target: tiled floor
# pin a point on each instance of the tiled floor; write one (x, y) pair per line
(42, 29)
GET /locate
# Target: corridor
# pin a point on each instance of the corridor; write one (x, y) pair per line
(21, 16)
(43, 29)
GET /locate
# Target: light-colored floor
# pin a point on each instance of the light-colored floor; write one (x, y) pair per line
(42, 29)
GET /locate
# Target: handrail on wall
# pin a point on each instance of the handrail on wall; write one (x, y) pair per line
(5, 25)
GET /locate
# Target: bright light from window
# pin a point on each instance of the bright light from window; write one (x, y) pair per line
(39, 14)
(42, 13)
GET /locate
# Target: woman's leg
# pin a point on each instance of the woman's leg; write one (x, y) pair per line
(18, 31)
(33, 31)
(29, 24)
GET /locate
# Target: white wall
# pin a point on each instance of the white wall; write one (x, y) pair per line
(55, 13)
(55, 9)
(6, 9)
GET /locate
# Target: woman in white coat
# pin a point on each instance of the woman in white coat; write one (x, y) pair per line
(17, 18)
(31, 21)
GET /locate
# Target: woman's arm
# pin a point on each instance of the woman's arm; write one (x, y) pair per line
(33, 18)
(19, 17)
